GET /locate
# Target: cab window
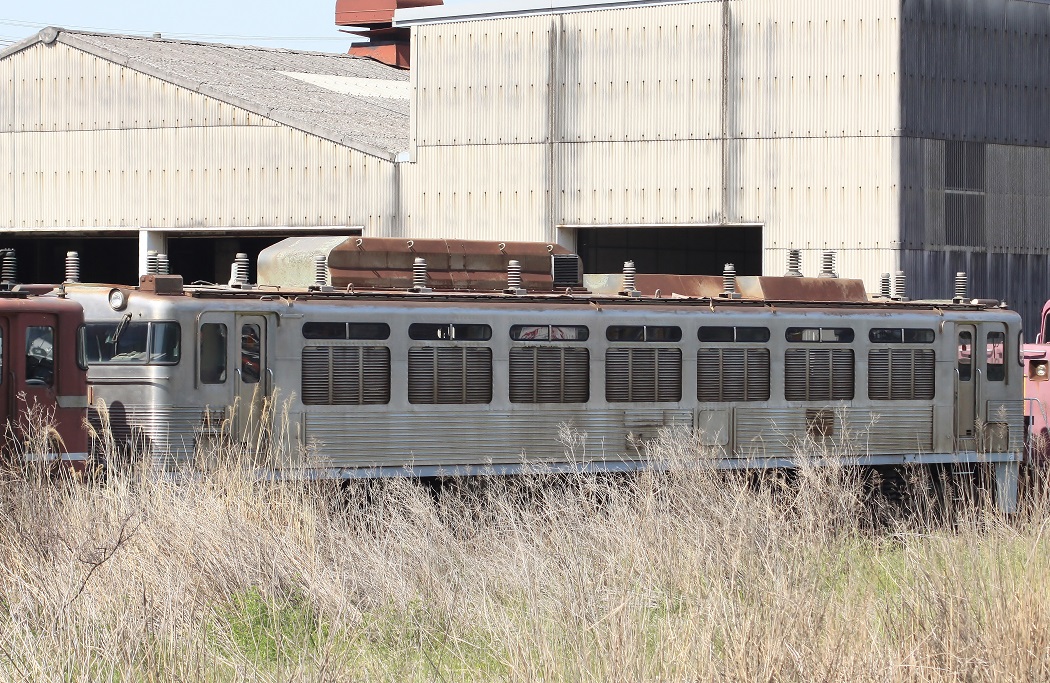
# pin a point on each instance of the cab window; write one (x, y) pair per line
(40, 355)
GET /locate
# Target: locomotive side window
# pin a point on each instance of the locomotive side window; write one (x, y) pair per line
(346, 375)
(251, 345)
(549, 333)
(446, 331)
(896, 335)
(128, 343)
(842, 335)
(739, 374)
(40, 355)
(996, 356)
(450, 374)
(165, 343)
(813, 374)
(549, 374)
(643, 375)
(901, 374)
(643, 333)
(213, 353)
(332, 330)
(733, 334)
(965, 354)
(324, 330)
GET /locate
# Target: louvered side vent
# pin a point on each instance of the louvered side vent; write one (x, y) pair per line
(540, 374)
(732, 375)
(901, 374)
(450, 375)
(567, 270)
(346, 375)
(818, 374)
(643, 375)
(317, 375)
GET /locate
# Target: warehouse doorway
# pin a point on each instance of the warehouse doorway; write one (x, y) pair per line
(112, 260)
(679, 251)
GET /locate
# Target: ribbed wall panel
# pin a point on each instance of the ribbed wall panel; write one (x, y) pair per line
(461, 437)
(817, 193)
(482, 82)
(1012, 414)
(60, 88)
(990, 55)
(647, 73)
(205, 176)
(495, 192)
(169, 434)
(799, 68)
(772, 432)
(651, 182)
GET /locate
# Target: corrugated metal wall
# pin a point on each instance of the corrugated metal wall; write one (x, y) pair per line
(622, 117)
(976, 70)
(87, 142)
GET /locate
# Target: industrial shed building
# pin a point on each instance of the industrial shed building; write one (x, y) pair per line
(114, 145)
(905, 135)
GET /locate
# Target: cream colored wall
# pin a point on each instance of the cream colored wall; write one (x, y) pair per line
(85, 142)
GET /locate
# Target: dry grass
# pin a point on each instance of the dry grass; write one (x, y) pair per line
(683, 575)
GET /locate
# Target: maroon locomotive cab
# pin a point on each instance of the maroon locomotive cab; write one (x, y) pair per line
(43, 381)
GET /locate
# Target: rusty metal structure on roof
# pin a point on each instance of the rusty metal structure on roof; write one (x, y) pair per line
(373, 20)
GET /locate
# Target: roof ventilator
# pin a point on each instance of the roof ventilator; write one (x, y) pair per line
(321, 274)
(514, 279)
(163, 265)
(960, 288)
(827, 265)
(566, 270)
(884, 286)
(151, 262)
(628, 280)
(239, 271)
(419, 276)
(729, 282)
(899, 288)
(794, 263)
(72, 266)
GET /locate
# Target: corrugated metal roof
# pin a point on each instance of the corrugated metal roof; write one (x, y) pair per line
(272, 83)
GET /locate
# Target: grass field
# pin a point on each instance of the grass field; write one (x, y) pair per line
(686, 575)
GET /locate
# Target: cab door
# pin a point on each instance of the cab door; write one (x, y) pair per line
(981, 367)
(966, 380)
(253, 376)
(34, 378)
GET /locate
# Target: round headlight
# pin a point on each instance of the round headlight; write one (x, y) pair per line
(1040, 370)
(117, 299)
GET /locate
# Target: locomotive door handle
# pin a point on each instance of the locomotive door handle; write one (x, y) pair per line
(269, 381)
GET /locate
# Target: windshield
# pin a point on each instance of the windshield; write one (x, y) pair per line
(103, 344)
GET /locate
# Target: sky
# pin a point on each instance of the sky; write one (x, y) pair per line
(295, 24)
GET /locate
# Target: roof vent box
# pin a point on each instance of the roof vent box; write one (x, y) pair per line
(567, 270)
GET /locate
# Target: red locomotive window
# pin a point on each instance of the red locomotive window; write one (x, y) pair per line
(40, 355)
